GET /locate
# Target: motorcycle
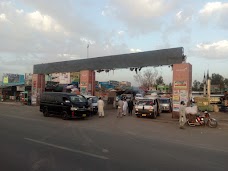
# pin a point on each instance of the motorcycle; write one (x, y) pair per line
(198, 119)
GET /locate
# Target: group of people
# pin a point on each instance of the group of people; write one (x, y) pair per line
(123, 106)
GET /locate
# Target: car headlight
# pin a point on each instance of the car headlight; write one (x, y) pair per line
(73, 108)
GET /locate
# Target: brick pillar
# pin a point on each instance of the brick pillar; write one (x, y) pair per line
(38, 87)
(87, 82)
(182, 86)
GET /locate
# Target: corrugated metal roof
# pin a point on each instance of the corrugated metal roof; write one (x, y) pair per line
(141, 59)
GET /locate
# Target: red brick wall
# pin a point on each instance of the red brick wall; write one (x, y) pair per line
(87, 81)
(182, 82)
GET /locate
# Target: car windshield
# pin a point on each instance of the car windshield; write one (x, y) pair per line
(164, 100)
(94, 100)
(145, 102)
(78, 98)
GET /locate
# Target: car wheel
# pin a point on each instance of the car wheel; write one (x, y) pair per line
(45, 112)
(65, 116)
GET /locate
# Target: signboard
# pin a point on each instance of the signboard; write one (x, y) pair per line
(61, 78)
(64, 78)
(28, 79)
(184, 96)
(12, 79)
(180, 84)
(176, 100)
(34, 84)
(176, 107)
(74, 76)
(20, 88)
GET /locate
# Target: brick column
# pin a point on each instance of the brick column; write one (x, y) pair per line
(182, 86)
(38, 87)
(87, 82)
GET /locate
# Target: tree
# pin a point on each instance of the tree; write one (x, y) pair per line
(217, 79)
(159, 80)
(196, 85)
(226, 81)
(147, 79)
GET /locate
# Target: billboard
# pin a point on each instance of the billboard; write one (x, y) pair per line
(28, 79)
(61, 78)
(180, 84)
(74, 76)
(12, 79)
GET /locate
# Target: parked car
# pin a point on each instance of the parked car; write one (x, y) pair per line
(166, 104)
(67, 105)
(128, 97)
(148, 107)
(93, 99)
(138, 97)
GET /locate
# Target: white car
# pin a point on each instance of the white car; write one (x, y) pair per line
(138, 96)
(148, 107)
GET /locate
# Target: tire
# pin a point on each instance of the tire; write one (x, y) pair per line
(65, 116)
(45, 112)
(212, 123)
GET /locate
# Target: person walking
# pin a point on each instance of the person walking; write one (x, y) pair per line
(125, 105)
(120, 108)
(130, 107)
(100, 105)
(182, 115)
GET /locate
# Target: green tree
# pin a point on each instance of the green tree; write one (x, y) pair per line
(196, 85)
(226, 81)
(217, 79)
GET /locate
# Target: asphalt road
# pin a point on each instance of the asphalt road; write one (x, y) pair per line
(32, 142)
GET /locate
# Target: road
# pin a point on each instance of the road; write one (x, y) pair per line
(32, 142)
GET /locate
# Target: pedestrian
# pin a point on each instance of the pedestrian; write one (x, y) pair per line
(182, 115)
(125, 106)
(100, 105)
(120, 108)
(130, 107)
(90, 103)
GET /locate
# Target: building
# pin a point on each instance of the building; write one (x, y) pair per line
(114, 83)
(13, 84)
(125, 84)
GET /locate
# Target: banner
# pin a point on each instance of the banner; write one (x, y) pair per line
(180, 84)
(74, 76)
(12, 79)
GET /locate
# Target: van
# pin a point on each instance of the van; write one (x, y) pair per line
(67, 105)
(148, 107)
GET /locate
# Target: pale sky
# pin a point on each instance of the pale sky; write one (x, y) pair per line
(41, 31)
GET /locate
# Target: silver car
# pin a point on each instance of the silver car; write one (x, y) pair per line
(166, 104)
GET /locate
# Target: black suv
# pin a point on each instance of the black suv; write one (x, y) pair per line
(67, 105)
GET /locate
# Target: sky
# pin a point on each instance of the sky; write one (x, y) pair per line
(41, 31)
